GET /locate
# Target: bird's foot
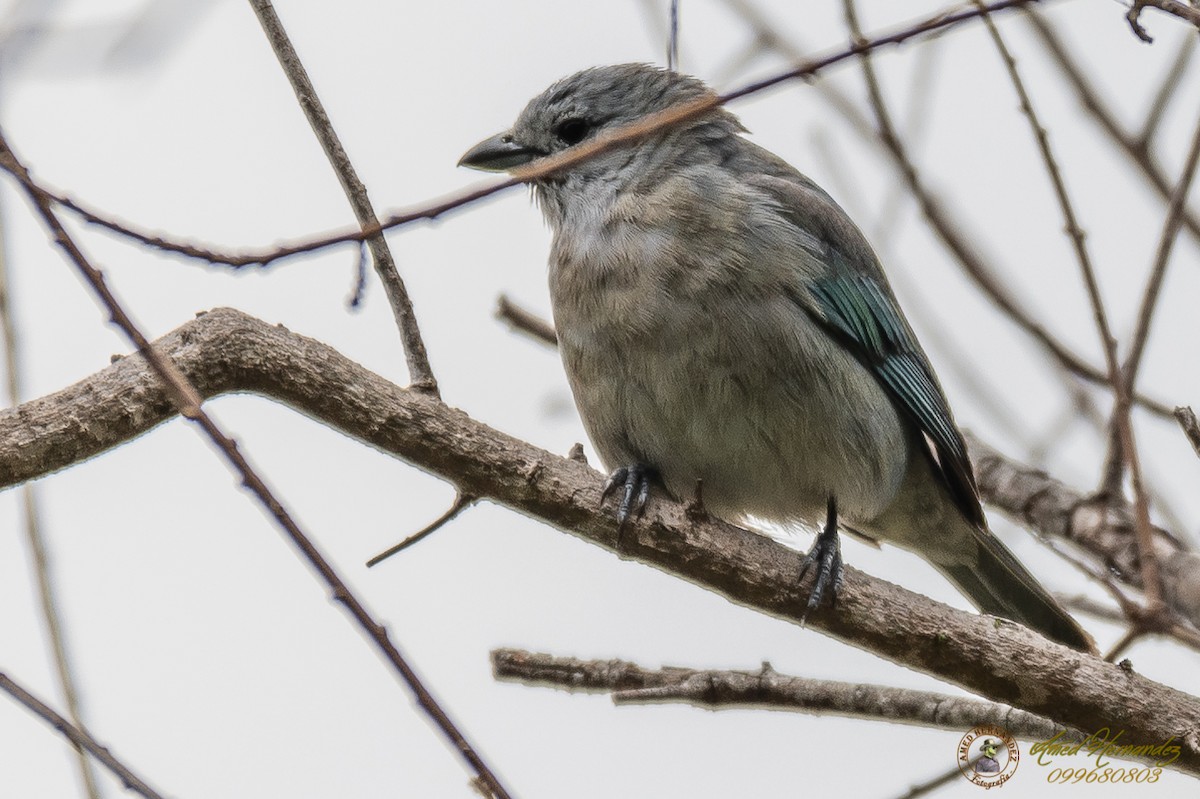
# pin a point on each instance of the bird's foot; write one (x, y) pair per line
(635, 482)
(826, 556)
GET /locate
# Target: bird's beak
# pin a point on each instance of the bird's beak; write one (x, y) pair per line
(499, 153)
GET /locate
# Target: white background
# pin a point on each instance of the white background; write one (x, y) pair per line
(210, 659)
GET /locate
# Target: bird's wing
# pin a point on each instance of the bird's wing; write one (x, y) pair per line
(850, 296)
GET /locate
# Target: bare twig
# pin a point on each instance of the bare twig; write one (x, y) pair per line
(226, 351)
(187, 400)
(1181, 10)
(78, 738)
(1085, 604)
(673, 38)
(544, 166)
(937, 213)
(932, 784)
(525, 321)
(1127, 640)
(1105, 528)
(1191, 428)
(1141, 621)
(1167, 90)
(419, 370)
(1135, 148)
(630, 684)
(1158, 271)
(31, 521)
(1122, 424)
(461, 502)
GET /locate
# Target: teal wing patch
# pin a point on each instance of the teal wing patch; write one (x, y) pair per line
(868, 321)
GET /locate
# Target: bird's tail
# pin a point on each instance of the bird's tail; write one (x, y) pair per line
(993, 579)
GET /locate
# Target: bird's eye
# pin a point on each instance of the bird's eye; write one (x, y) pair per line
(572, 131)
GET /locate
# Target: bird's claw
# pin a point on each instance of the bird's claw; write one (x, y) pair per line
(636, 482)
(826, 556)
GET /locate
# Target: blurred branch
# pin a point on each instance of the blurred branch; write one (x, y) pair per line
(1098, 525)
(1124, 446)
(527, 322)
(936, 212)
(31, 522)
(225, 351)
(1187, 420)
(930, 785)
(186, 400)
(1158, 270)
(1135, 147)
(1085, 604)
(1181, 10)
(713, 689)
(1150, 298)
(673, 38)
(543, 166)
(419, 370)
(78, 737)
(1167, 90)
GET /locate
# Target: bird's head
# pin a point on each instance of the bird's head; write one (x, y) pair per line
(590, 103)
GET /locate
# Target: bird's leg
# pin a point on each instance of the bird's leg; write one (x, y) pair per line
(635, 480)
(826, 555)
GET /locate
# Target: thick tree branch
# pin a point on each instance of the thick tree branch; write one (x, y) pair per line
(1101, 526)
(226, 351)
(714, 689)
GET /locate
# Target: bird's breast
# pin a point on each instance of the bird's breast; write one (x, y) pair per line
(689, 357)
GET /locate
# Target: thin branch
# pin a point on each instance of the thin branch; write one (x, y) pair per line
(225, 351)
(1127, 640)
(1122, 423)
(1141, 621)
(461, 502)
(1136, 149)
(1181, 10)
(936, 212)
(1085, 604)
(673, 38)
(1158, 271)
(1104, 528)
(419, 370)
(78, 737)
(187, 400)
(543, 166)
(1167, 90)
(525, 321)
(932, 784)
(1191, 428)
(714, 689)
(31, 522)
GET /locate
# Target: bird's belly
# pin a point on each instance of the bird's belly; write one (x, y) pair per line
(769, 412)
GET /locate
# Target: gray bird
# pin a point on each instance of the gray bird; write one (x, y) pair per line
(721, 319)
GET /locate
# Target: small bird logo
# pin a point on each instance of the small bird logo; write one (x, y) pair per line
(987, 763)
